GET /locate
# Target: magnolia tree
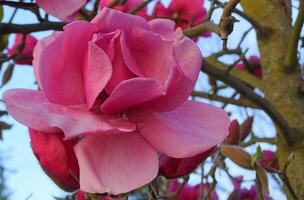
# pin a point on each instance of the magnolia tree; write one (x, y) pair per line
(115, 115)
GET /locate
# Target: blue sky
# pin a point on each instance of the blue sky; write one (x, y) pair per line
(24, 175)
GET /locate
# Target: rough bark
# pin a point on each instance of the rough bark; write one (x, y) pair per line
(281, 87)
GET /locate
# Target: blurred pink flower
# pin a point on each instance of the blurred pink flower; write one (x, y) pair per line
(64, 10)
(120, 85)
(178, 167)
(184, 13)
(189, 192)
(269, 160)
(254, 61)
(243, 193)
(25, 56)
(126, 7)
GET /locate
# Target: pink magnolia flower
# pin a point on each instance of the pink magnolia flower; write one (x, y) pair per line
(126, 7)
(64, 10)
(184, 13)
(269, 160)
(57, 158)
(25, 56)
(120, 85)
(178, 167)
(254, 61)
(189, 192)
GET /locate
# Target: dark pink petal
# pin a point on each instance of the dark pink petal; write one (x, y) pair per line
(131, 93)
(32, 109)
(63, 10)
(115, 163)
(58, 63)
(27, 51)
(56, 157)
(190, 129)
(97, 73)
(109, 20)
(161, 11)
(178, 167)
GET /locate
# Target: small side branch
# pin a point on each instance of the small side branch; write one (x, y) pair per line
(294, 37)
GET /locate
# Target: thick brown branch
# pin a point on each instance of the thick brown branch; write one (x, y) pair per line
(247, 92)
(241, 75)
(6, 28)
(22, 5)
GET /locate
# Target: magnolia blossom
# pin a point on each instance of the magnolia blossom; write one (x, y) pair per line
(126, 7)
(23, 57)
(255, 64)
(185, 14)
(119, 86)
(189, 192)
(64, 9)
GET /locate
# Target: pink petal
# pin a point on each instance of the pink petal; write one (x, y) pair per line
(188, 56)
(190, 129)
(164, 27)
(109, 20)
(131, 93)
(153, 54)
(63, 9)
(115, 163)
(97, 73)
(58, 63)
(189, 60)
(120, 69)
(32, 109)
(56, 157)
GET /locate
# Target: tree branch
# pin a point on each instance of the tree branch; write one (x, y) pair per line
(241, 75)
(293, 40)
(240, 102)
(6, 28)
(252, 96)
(202, 28)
